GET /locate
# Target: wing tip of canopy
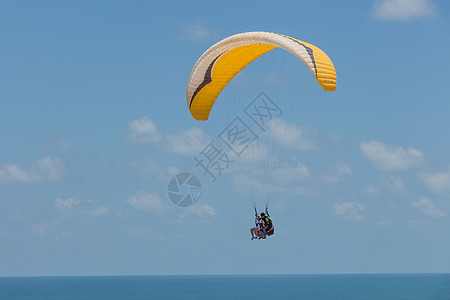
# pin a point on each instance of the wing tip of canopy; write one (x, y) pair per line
(327, 85)
(199, 116)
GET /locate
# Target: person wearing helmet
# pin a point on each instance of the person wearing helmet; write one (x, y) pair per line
(268, 226)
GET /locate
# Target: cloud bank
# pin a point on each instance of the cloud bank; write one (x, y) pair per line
(291, 135)
(75, 207)
(428, 208)
(403, 10)
(44, 170)
(196, 31)
(391, 185)
(189, 141)
(143, 200)
(143, 131)
(201, 211)
(437, 182)
(391, 158)
(350, 211)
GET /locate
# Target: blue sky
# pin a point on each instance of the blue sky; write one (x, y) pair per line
(94, 124)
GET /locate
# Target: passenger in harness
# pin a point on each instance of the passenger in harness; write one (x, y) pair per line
(258, 231)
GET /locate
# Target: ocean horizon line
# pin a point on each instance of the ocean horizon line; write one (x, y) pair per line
(225, 274)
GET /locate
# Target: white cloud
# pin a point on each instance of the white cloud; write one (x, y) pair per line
(293, 173)
(384, 223)
(256, 152)
(47, 169)
(437, 182)
(334, 137)
(418, 222)
(403, 10)
(428, 208)
(148, 168)
(42, 228)
(188, 141)
(14, 173)
(143, 130)
(349, 211)
(147, 201)
(391, 185)
(196, 31)
(371, 190)
(291, 177)
(395, 185)
(172, 170)
(99, 211)
(203, 210)
(64, 144)
(291, 135)
(338, 173)
(145, 168)
(75, 207)
(43, 170)
(66, 203)
(249, 186)
(391, 158)
(275, 177)
(191, 141)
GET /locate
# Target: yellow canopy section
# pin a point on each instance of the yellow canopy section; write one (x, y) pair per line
(220, 63)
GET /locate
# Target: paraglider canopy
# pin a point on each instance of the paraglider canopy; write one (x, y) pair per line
(221, 62)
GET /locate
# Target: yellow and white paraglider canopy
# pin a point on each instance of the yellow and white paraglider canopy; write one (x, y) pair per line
(221, 62)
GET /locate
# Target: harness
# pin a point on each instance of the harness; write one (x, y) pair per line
(259, 224)
(269, 225)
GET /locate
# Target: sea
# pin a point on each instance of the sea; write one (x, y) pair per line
(267, 287)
